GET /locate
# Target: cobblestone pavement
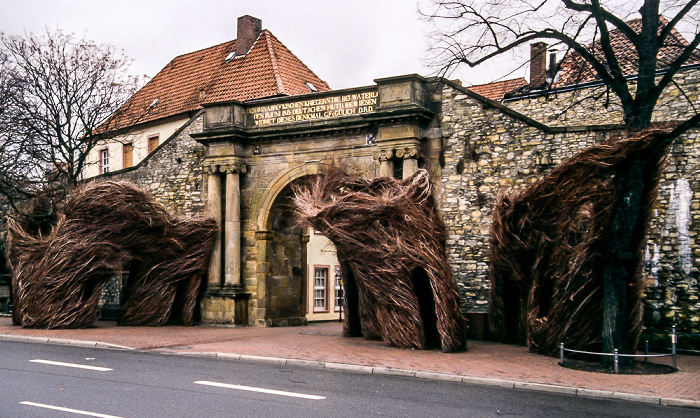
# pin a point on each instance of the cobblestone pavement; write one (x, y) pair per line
(321, 345)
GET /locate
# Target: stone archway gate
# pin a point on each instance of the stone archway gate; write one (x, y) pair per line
(255, 150)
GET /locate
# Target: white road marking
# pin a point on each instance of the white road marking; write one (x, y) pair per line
(75, 366)
(62, 409)
(261, 390)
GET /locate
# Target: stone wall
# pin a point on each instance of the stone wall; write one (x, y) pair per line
(587, 106)
(489, 148)
(172, 173)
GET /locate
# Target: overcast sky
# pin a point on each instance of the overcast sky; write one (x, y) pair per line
(348, 43)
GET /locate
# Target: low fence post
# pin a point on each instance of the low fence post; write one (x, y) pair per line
(674, 338)
(617, 364)
(646, 351)
(561, 354)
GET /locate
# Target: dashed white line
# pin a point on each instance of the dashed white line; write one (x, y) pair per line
(71, 410)
(260, 390)
(73, 365)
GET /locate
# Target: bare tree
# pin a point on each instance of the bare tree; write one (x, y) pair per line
(471, 32)
(57, 93)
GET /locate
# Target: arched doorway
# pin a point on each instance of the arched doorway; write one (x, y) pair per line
(286, 262)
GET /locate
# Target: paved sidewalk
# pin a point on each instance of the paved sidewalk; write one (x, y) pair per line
(321, 345)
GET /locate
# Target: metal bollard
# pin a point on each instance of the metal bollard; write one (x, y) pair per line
(674, 339)
(646, 351)
(561, 354)
(617, 364)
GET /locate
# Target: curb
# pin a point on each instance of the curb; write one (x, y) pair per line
(470, 380)
(61, 341)
(511, 384)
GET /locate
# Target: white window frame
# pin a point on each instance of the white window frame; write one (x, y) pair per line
(104, 160)
(320, 287)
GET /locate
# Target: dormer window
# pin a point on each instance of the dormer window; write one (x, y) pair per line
(311, 87)
(230, 56)
(154, 103)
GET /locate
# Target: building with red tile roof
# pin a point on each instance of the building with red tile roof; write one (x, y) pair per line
(573, 69)
(255, 65)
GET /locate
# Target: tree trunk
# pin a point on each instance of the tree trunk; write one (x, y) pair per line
(623, 248)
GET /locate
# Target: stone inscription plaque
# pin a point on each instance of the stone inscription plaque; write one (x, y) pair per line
(313, 109)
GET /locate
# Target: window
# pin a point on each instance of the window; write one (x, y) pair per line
(153, 142)
(128, 155)
(321, 289)
(104, 161)
(338, 290)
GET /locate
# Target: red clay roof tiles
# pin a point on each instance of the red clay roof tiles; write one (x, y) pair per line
(574, 69)
(497, 90)
(205, 76)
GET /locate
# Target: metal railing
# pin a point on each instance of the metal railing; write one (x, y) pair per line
(616, 355)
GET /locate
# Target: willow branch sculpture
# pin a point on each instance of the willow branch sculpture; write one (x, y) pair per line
(391, 244)
(548, 249)
(105, 228)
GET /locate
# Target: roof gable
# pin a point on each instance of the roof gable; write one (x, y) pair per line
(207, 76)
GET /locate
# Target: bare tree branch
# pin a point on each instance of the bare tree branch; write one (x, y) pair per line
(57, 94)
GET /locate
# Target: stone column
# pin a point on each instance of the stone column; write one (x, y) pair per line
(232, 225)
(410, 161)
(386, 165)
(214, 209)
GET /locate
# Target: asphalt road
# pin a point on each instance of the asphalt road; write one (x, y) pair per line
(43, 380)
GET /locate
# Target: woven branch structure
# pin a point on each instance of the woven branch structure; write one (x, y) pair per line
(106, 228)
(548, 249)
(391, 244)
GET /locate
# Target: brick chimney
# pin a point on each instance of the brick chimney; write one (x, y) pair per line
(538, 63)
(249, 29)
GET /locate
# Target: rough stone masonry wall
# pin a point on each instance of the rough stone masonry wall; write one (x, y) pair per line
(576, 107)
(172, 173)
(485, 151)
(499, 151)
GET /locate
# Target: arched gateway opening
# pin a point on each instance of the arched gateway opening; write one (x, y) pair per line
(302, 276)
(287, 260)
